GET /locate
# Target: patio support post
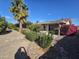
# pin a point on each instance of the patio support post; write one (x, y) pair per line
(47, 27)
(59, 29)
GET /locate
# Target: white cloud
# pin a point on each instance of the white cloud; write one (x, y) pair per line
(8, 17)
(75, 21)
(49, 14)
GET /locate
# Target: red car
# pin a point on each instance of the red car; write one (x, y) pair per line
(68, 29)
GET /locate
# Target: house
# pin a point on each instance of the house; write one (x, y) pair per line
(55, 25)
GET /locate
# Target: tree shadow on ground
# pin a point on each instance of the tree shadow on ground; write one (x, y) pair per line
(66, 48)
(5, 32)
(21, 54)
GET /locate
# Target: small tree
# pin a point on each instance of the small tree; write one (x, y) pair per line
(20, 12)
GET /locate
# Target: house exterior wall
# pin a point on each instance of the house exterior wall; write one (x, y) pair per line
(43, 27)
(55, 26)
(49, 27)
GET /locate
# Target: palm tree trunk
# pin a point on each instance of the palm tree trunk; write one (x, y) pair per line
(20, 27)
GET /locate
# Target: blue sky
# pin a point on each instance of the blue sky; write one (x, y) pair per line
(45, 10)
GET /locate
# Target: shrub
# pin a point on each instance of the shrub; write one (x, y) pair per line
(0, 29)
(45, 40)
(41, 39)
(28, 23)
(52, 32)
(34, 27)
(12, 26)
(32, 36)
(25, 31)
(3, 24)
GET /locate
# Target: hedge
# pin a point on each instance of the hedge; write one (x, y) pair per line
(42, 40)
(3, 24)
(32, 36)
(34, 27)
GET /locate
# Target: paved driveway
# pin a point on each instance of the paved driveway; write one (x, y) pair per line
(10, 43)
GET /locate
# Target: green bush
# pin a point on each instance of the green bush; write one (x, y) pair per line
(52, 32)
(28, 23)
(41, 39)
(45, 40)
(32, 36)
(3, 24)
(34, 27)
(25, 31)
(12, 26)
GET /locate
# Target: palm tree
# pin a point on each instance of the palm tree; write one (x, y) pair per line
(20, 12)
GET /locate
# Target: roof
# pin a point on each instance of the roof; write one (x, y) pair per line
(55, 22)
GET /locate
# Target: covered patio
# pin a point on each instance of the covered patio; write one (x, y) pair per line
(54, 25)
